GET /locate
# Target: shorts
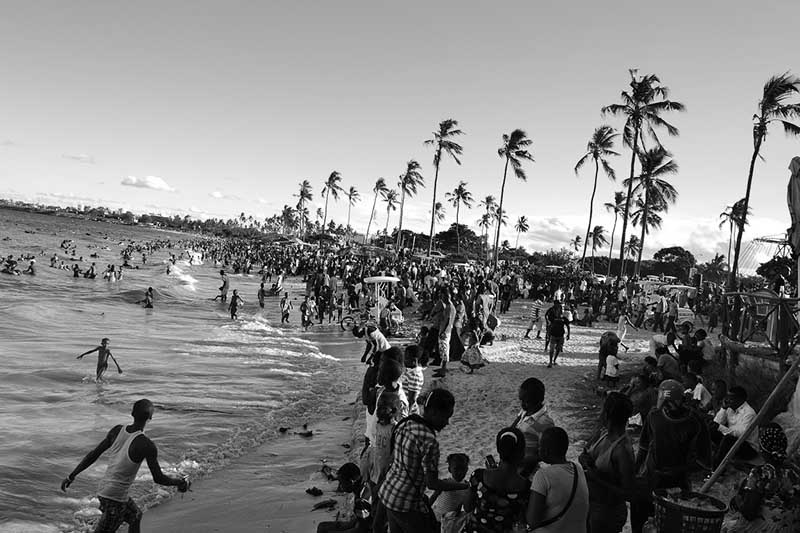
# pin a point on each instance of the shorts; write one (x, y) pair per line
(115, 513)
(444, 349)
(556, 345)
(536, 323)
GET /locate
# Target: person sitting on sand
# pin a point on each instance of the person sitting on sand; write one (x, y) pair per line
(103, 353)
(129, 447)
(730, 423)
(472, 359)
(559, 499)
(234, 305)
(499, 494)
(413, 377)
(608, 463)
(415, 465)
(768, 499)
(532, 420)
(698, 394)
(351, 481)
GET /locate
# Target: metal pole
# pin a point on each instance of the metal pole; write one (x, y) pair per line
(754, 424)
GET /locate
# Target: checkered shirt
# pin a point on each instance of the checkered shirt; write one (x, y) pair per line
(415, 454)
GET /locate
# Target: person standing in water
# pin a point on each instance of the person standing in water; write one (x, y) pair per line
(103, 353)
(129, 447)
(286, 308)
(148, 298)
(223, 290)
(234, 306)
(262, 293)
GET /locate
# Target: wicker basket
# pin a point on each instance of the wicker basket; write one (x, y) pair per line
(672, 517)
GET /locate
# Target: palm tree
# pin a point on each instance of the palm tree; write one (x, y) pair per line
(304, 195)
(379, 188)
(616, 207)
(657, 193)
(732, 216)
(352, 198)
(288, 219)
(485, 222)
(642, 108)
(630, 249)
(443, 142)
(515, 151)
(409, 182)
(575, 243)
(599, 147)
(332, 187)
(490, 204)
(390, 197)
(458, 197)
(773, 107)
(598, 236)
(522, 227)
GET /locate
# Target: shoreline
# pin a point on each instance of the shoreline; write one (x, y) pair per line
(264, 490)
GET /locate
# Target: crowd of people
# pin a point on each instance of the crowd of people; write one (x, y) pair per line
(685, 428)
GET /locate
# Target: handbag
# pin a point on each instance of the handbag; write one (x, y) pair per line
(560, 515)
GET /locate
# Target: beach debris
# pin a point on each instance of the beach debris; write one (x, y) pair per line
(314, 491)
(345, 418)
(328, 505)
(346, 445)
(305, 426)
(283, 430)
(304, 433)
(328, 472)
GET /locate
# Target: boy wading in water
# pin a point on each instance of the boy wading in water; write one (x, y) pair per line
(129, 447)
(103, 353)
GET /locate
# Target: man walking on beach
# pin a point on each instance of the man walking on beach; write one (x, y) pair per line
(129, 447)
(223, 290)
(286, 308)
(443, 320)
(415, 466)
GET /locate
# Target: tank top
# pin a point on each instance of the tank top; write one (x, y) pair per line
(604, 466)
(121, 471)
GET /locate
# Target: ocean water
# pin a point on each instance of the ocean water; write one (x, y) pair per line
(220, 387)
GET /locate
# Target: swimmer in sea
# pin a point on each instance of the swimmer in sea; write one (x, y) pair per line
(103, 353)
(234, 306)
(148, 298)
(31, 268)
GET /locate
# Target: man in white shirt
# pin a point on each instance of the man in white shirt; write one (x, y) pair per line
(731, 422)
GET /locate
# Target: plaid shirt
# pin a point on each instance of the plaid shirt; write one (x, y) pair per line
(415, 454)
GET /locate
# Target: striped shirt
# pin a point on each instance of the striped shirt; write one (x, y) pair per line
(536, 309)
(413, 379)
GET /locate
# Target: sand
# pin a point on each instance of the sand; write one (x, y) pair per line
(265, 490)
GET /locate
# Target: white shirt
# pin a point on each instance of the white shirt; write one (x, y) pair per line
(736, 421)
(612, 366)
(701, 394)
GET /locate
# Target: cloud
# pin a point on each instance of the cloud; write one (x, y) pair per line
(147, 182)
(7, 142)
(218, 195)
(82, 158)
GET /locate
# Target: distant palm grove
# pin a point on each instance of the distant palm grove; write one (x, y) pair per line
(643, 114)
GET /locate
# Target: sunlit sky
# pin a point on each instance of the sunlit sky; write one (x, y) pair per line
(214, 108)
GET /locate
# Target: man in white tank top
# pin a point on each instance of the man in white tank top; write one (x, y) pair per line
(129, 447)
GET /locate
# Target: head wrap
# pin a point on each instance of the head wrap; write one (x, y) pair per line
(773, 442)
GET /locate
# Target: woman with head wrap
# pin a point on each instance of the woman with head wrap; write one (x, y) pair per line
(768, 500)
(499, 494)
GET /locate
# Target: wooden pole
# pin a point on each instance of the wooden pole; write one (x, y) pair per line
(754, 424)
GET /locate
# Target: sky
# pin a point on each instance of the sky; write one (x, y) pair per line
(216, 108)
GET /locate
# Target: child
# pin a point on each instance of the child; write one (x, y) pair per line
(705, 346)
(697, 392)
(622, 326)
(453, 501)
(611, 373)
(380, 453)
(609, 345)
(339, 307)
(351, 481)
(103, 353)
(413, 378)
(472, 358)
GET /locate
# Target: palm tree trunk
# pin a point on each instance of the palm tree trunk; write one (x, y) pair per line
(386, 230)
(433, 203)
(458, 235)
(500, 213)
(517, 244)
(644, 231)
(591, 213)
(371, 215)
(611, 246)
(400, 224)
(628, 198)
(349, 207)
(592, 258)
(325, 217)
(743, 221)
(730, 242)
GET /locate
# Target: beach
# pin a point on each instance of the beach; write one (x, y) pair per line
(486, 401)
